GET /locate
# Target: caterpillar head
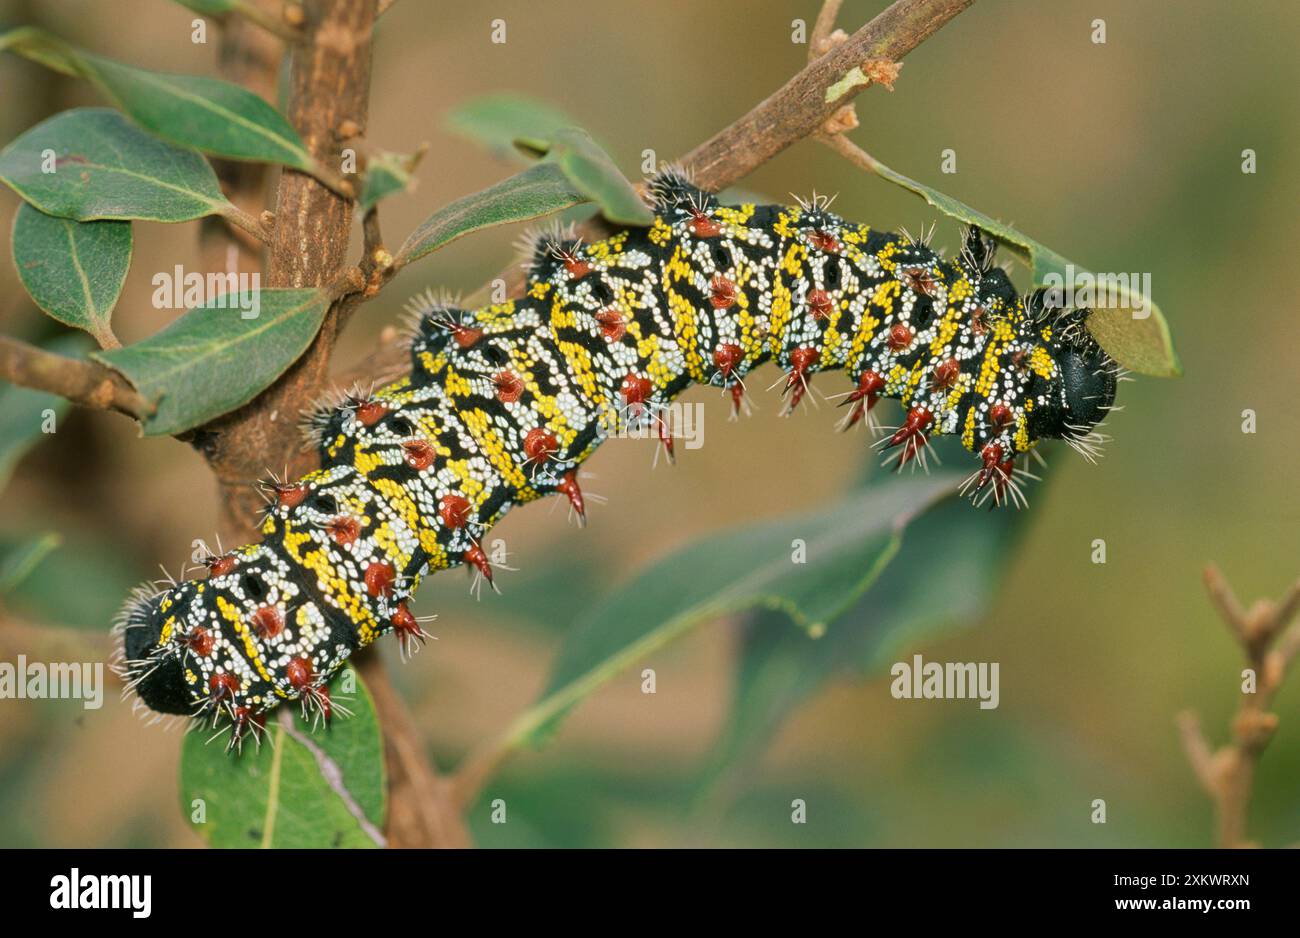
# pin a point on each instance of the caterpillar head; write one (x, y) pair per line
(232, 646)
(1082, 389)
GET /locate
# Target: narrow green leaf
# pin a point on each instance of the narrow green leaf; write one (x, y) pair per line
(219, 356)
(946, 572)
(104, 167)
(208, 114)
(1133, 331)
(209, 7)
(301, 788)
(594, 174)
(25, 414)
(538, 190)
(386, 174)
(500, 120)
(74, 270)
(846, 548)
(19, 558)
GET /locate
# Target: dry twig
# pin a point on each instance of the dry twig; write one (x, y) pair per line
(1269, 634)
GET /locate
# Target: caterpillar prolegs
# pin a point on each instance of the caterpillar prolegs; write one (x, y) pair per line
(504, 403)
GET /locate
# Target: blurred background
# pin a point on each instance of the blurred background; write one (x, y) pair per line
(1122, 156)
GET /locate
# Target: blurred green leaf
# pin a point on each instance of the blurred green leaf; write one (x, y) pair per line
(846, 547)
(23, 413)
(944, 575)
(73, 270)
(107, 168)
(538, 190)
(104, 570)
(386, 174)
(300, 788)
(212, 360)
(18, 559)
(210, 7)
(539, 130)
(207, 114)
(594, 174)
(499, 120)
(1141, 344)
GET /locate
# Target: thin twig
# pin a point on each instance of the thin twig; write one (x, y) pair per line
(819, 43)
(800, 107)
(250, 224)
(280, 26)
(83, 382)
(1269, 635)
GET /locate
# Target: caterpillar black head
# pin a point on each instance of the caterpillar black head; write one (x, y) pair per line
(156, 676)
(1082, 389)
(229, 648)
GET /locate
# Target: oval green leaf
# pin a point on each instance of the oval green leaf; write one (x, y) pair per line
(500, 121)
(104, 167)
(74, 270)
(300, 788)
(207, 114)
(846, 548)
(1133, 331)
(219, 356)
(946, 572)
(538, 190)
(594, 174)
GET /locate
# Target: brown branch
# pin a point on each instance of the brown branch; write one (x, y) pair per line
(83, 382)
(1269, 634)
(800, 107)
(329, 84)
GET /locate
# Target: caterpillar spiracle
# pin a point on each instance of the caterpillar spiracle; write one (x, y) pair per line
(505, 402)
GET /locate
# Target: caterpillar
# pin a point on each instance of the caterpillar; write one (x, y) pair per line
(504, 403)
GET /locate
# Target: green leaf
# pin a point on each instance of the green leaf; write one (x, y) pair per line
(107, 168)
(19, 558)
(74, 270)
(22, 413)
(387, 173)
(299, 789)
(508, 121)
(538, 190)
(104, 570)
(943, 577)
(594, 174)
(209, 7)
(213, 359)
(207, 114)
(846, 548)
(500, 120)
(1133, 332)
